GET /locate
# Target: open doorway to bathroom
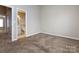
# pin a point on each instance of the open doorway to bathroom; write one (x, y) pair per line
(5, 23)
(21, 23)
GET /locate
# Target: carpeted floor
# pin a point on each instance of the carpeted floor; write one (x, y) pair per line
(39, 43)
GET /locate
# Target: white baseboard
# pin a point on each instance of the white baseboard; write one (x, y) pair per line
(14, 40)
(26, 36)
(63, 36)
(50, 34)
(31, 34)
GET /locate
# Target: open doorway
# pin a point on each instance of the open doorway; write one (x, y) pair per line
(5, 22)
(21, 23)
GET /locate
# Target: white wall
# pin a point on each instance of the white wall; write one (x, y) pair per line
(60, 20)
(55, 20)
(32, 20)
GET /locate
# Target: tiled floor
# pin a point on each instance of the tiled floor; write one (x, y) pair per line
(40, 43)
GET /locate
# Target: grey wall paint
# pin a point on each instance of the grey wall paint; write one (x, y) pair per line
(60, 21)
(32, 20)
(55, 20)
